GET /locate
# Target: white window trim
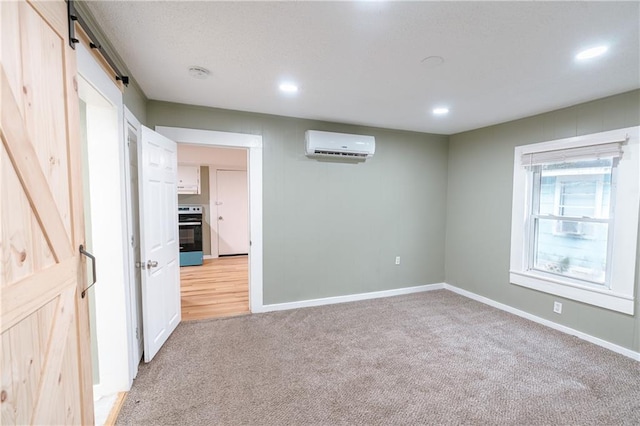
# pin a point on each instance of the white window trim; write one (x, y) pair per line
(620, 296)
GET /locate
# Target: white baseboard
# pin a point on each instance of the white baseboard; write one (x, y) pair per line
(584, 336)
(209, 256)
(102, 408)
(350, 297)
(428, 287)
(98, 392)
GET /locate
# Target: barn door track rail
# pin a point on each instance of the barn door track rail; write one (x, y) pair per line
(74, 16)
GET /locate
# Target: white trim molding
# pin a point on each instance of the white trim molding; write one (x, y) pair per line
(107, 184)
(604, 297)
(211, 137)
(351, 297)
(579, 334)
(134, 305)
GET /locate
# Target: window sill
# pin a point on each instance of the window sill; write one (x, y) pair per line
(603, 298)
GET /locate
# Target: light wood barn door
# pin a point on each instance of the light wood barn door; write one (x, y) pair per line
(45, 360)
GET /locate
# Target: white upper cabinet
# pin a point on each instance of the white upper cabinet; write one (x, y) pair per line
(188, 179)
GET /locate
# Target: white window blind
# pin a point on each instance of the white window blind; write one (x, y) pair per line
(604, 150)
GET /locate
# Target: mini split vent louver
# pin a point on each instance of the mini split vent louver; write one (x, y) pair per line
(339, 145)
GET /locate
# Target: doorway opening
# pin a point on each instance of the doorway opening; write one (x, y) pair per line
(213, 203)
(250, 147)
(101, 121)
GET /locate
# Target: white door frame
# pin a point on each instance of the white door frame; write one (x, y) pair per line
(253, 143)
(111, 294)
(132, 301)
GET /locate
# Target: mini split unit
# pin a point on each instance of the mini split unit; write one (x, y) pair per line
(339, 145)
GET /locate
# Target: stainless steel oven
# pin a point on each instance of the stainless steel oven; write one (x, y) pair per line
(190, 231)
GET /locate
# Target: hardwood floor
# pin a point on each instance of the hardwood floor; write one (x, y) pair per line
(218, 288)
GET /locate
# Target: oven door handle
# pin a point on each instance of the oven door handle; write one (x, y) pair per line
(189, 223)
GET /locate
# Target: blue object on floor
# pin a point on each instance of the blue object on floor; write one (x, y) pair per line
(191, 258)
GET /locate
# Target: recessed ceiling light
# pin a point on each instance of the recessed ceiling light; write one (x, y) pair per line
(288, 88)
(591, 53)
(441, 111)
(199, 72)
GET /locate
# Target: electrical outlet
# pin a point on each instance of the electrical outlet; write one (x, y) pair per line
(557, 307)
(397, 260)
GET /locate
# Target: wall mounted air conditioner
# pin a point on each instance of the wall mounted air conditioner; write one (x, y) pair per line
(339, 145)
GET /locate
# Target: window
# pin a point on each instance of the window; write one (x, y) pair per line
(570, 218)
(575, 218)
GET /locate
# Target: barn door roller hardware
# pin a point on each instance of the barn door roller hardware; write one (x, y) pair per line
(74, 16)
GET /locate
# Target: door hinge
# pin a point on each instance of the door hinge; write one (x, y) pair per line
(133, 240)
(137, 334)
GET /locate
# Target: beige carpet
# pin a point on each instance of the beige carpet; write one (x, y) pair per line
(429, 358)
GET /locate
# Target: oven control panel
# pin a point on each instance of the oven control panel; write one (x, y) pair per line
(189, 209)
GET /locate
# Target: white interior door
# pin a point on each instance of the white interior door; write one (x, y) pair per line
(159, 240)
(233, 212)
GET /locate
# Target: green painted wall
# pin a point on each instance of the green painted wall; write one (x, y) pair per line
(136, 101)
(333, 228)
(479, 213)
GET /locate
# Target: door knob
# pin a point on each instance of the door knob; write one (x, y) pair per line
(220, 218)
(152, 264)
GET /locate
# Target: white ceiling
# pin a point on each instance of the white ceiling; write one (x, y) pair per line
(362, 62)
